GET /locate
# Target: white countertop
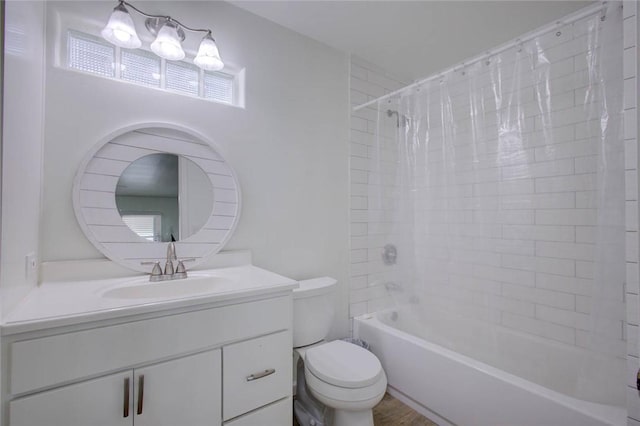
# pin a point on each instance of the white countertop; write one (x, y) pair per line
(55, 304)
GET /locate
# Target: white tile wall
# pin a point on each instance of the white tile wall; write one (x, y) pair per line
(368, 82)
(630, 42)
(537, 265)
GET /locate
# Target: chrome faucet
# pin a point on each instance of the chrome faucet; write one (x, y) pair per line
(171, 272)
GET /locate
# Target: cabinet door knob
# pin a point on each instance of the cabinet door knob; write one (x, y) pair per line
(126, 397)
(260, 375)
(140, 393)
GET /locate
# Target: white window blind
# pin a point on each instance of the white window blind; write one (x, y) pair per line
(140, 67)
(218, 86)
(148, 227)
(90, 54)
(182, 77)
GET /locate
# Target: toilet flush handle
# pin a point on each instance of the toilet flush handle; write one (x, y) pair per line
(260, 375)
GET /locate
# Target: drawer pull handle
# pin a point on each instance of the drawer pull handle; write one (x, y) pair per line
(126, 397)
(260, 375)
(140, 393)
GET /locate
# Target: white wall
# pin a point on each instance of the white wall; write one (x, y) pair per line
(288, 147)
(23, 98)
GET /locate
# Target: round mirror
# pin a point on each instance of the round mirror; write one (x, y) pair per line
(164, 197)
(140, 190)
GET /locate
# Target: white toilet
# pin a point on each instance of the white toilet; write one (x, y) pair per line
(342, 376)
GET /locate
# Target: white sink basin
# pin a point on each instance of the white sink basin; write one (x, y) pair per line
(188, 287)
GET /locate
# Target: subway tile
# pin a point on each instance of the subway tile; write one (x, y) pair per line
(586, 234)
(631, 154)
(571, 285)
(632, 278)
(631, 251)
(359, 124)
(631, 185)
(536, 170)
(630, 124)
(563, 317)
(632, 370)
(570, 149)
(357, 98)
(358, 255)
(367, 87)
(539, 232)
(629, 62)
(539, 296)
(584, 269)
(566, 217)
(359, 176)
(584, 182)
(539, 264)
(586, 164)
(565, 250)
(358, 71)
(632, 341)
(559, 200)
(629, 8)
(630, 93)
(514, 276)
(540, 328)
(632, 301)
(357, 309)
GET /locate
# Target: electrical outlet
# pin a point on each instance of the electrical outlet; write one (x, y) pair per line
(30, 266)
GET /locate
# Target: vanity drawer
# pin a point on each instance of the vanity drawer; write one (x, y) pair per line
(47, 361)
(256, 372)
(278, 413)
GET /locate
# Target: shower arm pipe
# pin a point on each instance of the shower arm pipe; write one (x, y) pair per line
(576, 16)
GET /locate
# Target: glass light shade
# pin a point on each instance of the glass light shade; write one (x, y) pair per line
(167, 44)
(120, 29)
(208, 57)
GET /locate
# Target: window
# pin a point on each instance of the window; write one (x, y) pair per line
(140, 67)
(94, 55)
(87, 53)
(218, 86)
(183, 77)
(148, 226)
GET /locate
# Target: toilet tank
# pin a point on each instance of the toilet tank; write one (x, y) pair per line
(313, 310)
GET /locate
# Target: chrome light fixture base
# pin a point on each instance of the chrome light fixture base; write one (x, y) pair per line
(154, 25)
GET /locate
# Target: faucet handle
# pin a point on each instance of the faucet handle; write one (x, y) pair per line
(156, 271)
(181, 270)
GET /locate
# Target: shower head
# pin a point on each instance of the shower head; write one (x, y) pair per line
(391, 113)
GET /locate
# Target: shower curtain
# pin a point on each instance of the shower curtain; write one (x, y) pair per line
(501, 183)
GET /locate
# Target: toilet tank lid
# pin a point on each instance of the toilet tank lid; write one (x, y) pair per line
(314, 287)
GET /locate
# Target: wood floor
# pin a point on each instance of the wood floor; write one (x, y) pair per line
(391, 412)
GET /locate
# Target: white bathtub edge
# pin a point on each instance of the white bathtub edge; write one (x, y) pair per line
(600, 412)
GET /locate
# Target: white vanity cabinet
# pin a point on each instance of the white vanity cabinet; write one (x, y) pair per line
(171, 368)
(182, 391)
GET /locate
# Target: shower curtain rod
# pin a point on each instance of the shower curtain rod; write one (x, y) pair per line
(569, 19)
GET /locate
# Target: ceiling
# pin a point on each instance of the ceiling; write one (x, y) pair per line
(412, 39)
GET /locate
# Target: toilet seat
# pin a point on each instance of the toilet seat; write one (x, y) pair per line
(343, 364)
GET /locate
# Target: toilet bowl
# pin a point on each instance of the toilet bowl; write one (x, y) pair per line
(342, 376)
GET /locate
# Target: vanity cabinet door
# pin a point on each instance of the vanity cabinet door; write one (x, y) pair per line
(185, 391)
(106, 401)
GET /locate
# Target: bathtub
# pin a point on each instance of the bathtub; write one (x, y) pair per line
(451, 388)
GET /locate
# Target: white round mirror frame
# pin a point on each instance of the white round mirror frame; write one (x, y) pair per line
(97, 176)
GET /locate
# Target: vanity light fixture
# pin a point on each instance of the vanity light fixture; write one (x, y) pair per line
(169, 33)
